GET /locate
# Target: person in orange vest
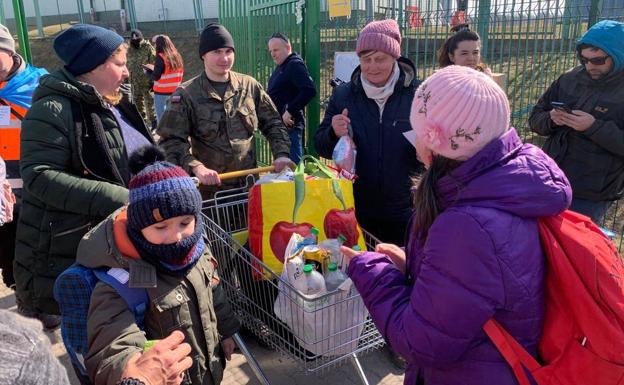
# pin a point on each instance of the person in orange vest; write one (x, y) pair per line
(167, 74)
(18, 80)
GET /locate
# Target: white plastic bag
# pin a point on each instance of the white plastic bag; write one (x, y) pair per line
(325, 325)
(287, 175)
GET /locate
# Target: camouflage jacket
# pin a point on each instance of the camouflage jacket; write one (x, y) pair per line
(145, 54)
(221, 130)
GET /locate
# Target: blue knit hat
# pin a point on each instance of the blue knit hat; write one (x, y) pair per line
(84, 47)
(159, 192)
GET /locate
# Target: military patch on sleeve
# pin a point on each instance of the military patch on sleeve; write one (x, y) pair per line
(175, 99)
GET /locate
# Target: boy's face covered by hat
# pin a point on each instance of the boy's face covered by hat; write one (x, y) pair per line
(169, 231)
(164, 218)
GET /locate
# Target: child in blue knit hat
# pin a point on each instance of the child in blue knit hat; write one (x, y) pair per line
(157, 243)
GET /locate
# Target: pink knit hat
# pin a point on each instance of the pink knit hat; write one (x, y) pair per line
(457, 111)
(382, 35)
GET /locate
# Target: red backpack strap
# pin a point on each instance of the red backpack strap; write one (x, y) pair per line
(515, 355)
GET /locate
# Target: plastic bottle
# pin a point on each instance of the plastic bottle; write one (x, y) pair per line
(314, 235)
(333, 247)
(313, 282)
(334, 277)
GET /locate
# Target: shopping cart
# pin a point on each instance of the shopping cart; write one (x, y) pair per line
(253, 300)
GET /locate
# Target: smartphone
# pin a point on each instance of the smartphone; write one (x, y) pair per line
(561, 106)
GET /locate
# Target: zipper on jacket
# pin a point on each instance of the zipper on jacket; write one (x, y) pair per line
(399, 120)
(380, 158)
(88, 225)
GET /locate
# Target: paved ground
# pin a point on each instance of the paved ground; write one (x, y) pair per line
(279, 370)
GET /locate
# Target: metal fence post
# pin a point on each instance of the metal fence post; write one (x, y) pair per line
(313, 61)
(2, 16)
(199, 15)
(370, 14)
(80, 11)
(565, 23)
(22, 29)
(483, 25)
(131, 14)
(594, 12)
(38, 18)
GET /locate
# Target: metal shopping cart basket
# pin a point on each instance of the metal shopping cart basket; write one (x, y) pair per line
(341, 338)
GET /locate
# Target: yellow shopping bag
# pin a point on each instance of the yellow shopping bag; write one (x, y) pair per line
(277, 210)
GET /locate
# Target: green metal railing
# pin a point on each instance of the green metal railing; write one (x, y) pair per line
(252, 23)
(531, 42)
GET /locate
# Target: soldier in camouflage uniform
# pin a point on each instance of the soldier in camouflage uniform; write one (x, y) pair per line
(219, 110)
(141, 52)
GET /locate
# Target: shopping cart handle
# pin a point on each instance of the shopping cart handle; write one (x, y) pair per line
(240, 173)
(252, 171)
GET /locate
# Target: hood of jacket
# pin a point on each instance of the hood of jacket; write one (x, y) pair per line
(63, 83)
(510, 176)
(18, 66)
(408, 74)
(107, 245)
(608, 36)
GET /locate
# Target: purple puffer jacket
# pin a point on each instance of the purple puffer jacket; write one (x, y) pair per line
(482, 258)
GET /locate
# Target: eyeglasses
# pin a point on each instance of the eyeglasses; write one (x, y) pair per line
(597, 61)
(278, 35)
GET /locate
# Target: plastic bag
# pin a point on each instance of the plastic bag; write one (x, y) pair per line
(325, 324)
(287, 175)
(344, 156)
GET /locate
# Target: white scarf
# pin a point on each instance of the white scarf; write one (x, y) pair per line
(381, 94)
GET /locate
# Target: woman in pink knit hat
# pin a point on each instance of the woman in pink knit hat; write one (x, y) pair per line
(376, 104)
(473, 251)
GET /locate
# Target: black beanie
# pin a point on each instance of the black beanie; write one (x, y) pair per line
(137, 33)
(214, 36)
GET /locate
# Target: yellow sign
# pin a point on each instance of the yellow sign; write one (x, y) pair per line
(339, 8)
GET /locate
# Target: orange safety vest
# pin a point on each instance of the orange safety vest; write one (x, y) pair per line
(10, 141)
(169, 80)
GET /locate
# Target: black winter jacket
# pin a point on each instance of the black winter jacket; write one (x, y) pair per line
(75, 170)
(592, 160)
(291, 87)
(385, 161)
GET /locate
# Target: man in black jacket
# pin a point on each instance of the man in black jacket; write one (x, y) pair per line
(582, 114)
(291, 88)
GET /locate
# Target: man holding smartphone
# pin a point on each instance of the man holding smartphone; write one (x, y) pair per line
(582, 114)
